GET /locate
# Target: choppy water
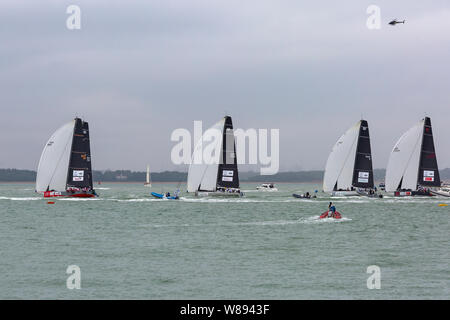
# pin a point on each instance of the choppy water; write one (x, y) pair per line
(266, 245)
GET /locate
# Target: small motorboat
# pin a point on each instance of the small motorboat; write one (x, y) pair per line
(344, 193)
(443, 191)
(165, 196)
(324, 215)
(266, 187)
(303, 196)
(369, 193)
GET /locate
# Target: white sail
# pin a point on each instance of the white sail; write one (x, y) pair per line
(203, 175)
(403, 165)
(341, 161)
(54, 163)
(147, 177)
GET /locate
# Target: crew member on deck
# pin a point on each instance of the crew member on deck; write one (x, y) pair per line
(331, 210)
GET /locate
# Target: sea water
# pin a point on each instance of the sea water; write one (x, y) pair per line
(266, 245)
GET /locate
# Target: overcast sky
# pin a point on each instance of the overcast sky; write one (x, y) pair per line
(137, 70)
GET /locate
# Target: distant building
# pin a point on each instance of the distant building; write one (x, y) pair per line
(121, 177)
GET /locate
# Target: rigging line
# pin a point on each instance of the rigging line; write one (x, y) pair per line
(340, 172)
(203, 175)
(206, 168)
(409, 160)
(57, 164)
(220, 154)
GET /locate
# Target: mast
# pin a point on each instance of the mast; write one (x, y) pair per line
(227, 173)
(428, 175)
(363, 171)
(79, 174)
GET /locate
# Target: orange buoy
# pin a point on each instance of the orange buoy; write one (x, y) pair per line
(51, 202)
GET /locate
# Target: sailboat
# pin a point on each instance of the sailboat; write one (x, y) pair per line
(220, 177)
(348, 171)
(65, 165)
(412, 168)
(147, 178)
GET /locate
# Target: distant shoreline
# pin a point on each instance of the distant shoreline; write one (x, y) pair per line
(15, 176)
(164, 182)
(169, 182)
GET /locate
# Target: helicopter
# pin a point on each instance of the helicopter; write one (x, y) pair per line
(394, 22)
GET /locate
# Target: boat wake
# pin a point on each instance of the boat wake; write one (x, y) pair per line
(316, 219)
(416, 200)
(20, 199)
(212, 200)
(230, 224)
(309, 220)
(75, 199)
(138, 200)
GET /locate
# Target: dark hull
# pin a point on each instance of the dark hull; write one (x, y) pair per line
(419, 193)
(218, 194)
(57, 194)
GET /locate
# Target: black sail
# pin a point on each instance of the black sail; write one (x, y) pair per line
(363, 172)
(227, 175)
(80, 170)
(428, 167)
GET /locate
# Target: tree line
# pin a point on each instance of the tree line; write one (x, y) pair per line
(18, 175)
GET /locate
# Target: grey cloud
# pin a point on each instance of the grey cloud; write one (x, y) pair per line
(139, 69)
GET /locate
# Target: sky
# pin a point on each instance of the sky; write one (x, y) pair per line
(137, 70)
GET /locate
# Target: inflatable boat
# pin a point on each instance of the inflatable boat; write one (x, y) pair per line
(163, 196)
(337, 215)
